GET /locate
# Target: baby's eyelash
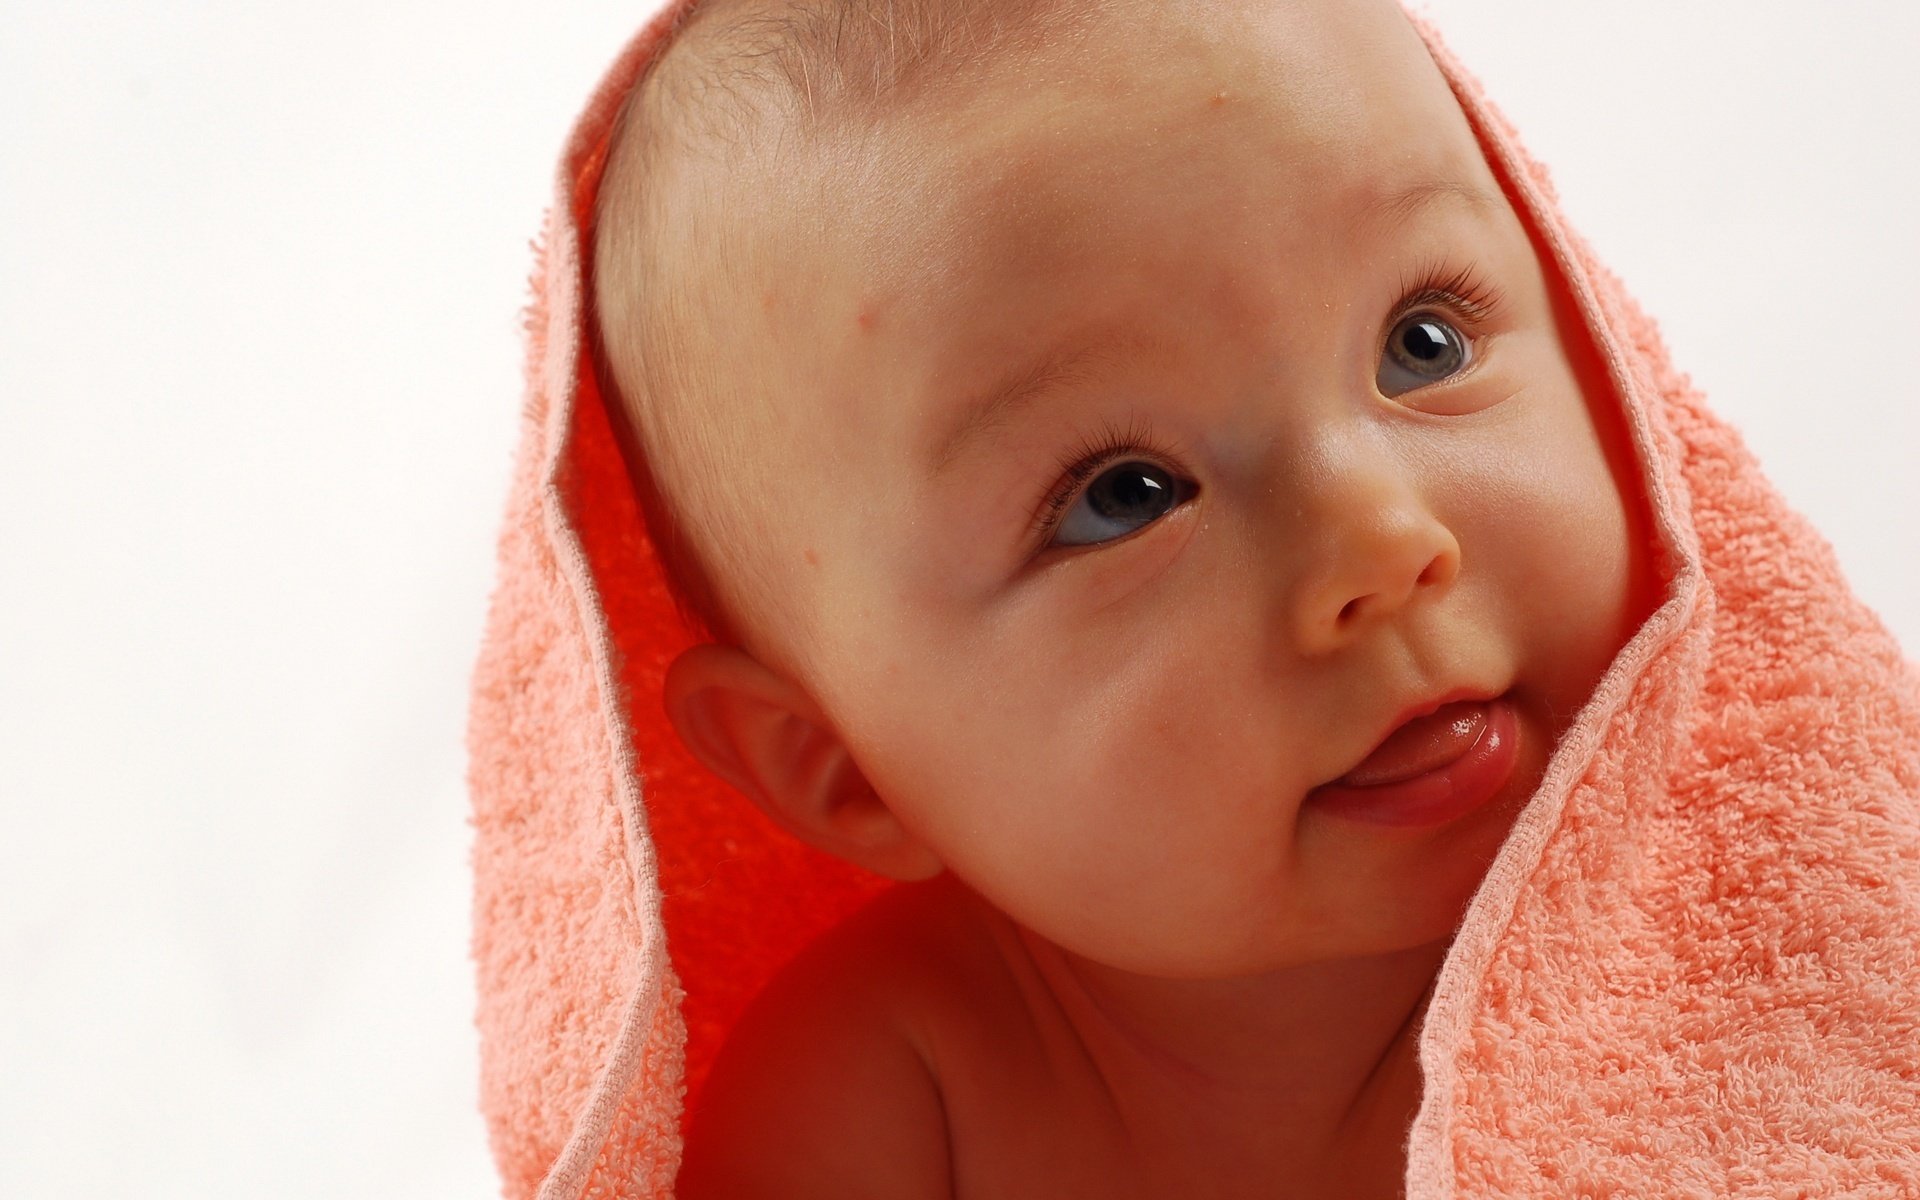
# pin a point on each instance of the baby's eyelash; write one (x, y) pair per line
(1136, 440)
(1462, 289)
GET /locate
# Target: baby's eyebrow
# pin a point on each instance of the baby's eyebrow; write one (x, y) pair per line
(1396, 206)
(1067, 361)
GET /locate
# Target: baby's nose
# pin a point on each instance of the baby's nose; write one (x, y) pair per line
(1378, 548)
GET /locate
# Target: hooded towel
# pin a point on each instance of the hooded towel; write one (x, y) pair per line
(1693, 969)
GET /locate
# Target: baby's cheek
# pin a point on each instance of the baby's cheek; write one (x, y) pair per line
(1570, 568)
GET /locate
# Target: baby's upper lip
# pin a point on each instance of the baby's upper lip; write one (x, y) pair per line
(1418, 709)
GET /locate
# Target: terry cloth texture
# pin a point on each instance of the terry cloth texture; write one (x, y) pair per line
(1693, 969)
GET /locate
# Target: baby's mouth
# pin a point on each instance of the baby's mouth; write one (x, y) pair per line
(1430, 770)
(1421, 745)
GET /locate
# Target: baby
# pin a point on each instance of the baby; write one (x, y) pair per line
(1150, 495)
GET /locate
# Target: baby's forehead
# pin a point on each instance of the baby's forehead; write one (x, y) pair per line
(942, 251)
(1002, 180)
(1014, 157)
(943, 211)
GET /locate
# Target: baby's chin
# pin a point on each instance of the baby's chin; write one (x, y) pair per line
(1378, 892)
(1349, 894)
(1328, 917)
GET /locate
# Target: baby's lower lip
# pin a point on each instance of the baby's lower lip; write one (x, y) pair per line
(1442, 794)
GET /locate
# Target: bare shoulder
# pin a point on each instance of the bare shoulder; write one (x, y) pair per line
(827, 1086)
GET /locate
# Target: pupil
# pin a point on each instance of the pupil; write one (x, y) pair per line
(1425, 341)
(1140, 490)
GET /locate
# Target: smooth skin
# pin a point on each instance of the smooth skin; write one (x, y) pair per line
(1128, 961)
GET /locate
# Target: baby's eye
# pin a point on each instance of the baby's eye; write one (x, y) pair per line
(1125, 497)
(1422, 348)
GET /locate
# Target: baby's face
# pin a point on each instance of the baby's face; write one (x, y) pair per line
(1098, 676)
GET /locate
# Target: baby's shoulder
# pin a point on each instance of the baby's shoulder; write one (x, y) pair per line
(827, 1084)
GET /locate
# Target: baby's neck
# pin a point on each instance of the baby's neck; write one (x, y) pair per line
(1315, 1065)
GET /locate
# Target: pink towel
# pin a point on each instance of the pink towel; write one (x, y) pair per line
(1693, 969)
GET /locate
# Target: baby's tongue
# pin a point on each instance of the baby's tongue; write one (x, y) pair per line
(1421, 745)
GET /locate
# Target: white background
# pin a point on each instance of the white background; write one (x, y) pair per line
(261, 267)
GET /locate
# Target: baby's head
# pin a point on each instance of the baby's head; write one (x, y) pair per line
(1086, 425)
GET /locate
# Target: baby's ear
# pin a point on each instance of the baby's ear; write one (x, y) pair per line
(764, 735)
